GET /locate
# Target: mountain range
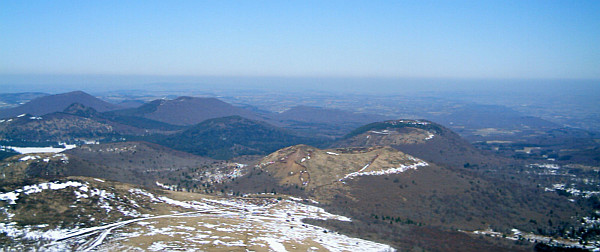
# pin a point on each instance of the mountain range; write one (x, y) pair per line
(412, 184)
(186, 110)
(227, 137)
(57, 103)
(75, 124)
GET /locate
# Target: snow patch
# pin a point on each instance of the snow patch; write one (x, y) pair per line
(275, 245)
(12, 197)
(430, 136)
(30, 150)
(396, 170)
(166, 187)
(25, 158)
(547, 166)
(383, 132)
(275, 223)
(571, 190)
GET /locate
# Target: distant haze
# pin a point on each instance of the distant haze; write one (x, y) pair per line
(372, 86)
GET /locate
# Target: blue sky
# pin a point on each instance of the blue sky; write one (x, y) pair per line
(388, 39)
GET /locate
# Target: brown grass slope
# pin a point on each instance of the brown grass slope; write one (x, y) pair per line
(440, 198)
(423, 139)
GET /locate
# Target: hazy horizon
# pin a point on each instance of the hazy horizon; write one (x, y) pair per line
(347, 85)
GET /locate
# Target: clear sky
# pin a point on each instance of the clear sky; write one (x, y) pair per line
(408, 39)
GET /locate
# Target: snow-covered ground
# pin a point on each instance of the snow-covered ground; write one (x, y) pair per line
(58, 156)
(429, 136)
(29, 150)
(572, 191)
(400, 169)
(202, 224)
(534, 238)
(231, 224)
(11, 197)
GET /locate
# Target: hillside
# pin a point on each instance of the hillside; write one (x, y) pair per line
(316, 170)
(392, 196)
(386, 191)
(78, 123)
(423, 139)
(186, 110)
(148, 125)
(146, 162)
(138, 163)
(56, 103)
(54, 127)
(227, 137)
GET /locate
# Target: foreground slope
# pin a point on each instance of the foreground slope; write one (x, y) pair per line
(78, 213)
